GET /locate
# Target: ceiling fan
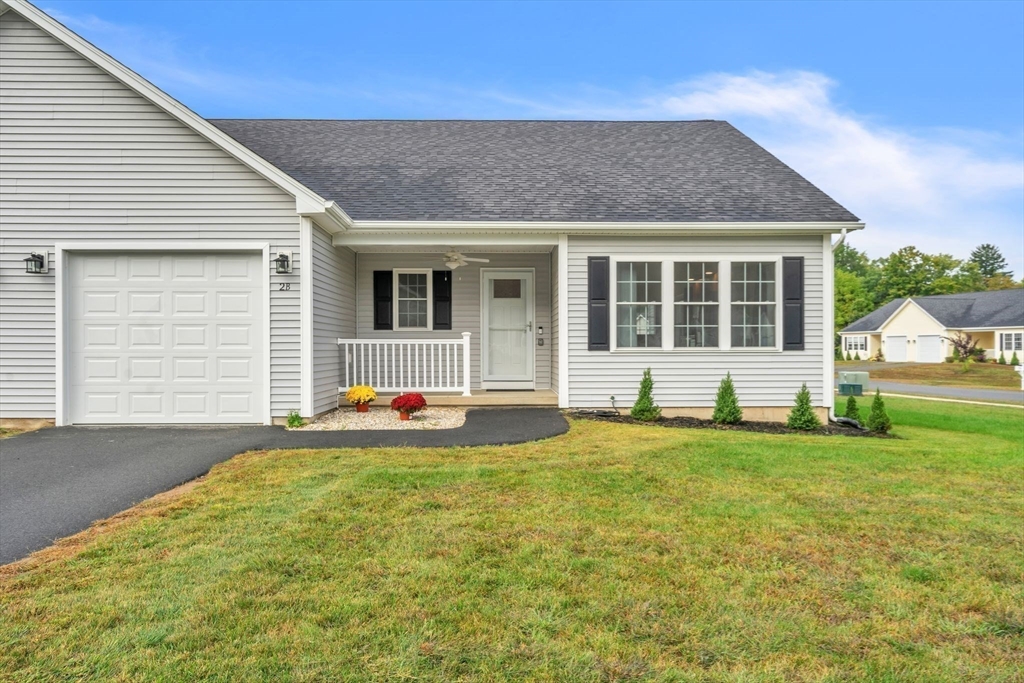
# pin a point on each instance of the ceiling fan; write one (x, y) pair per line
(454, 259)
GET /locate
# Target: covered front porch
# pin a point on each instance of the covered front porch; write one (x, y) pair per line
(464, 324)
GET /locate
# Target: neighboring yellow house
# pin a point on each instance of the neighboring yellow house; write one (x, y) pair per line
(917, 329)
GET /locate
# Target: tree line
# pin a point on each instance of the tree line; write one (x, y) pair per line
(863, 284)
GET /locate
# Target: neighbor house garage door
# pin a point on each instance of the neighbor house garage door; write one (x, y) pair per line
(165, 338)
(929, 348)
(896, 349)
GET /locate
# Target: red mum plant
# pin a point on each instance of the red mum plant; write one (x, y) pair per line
(407, 404)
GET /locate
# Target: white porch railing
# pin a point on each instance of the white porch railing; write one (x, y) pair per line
(404, 365)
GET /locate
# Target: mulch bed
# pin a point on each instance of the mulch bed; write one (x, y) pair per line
(831, 429)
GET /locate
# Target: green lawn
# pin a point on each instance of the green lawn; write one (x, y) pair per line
(978, 375)
(613, 553)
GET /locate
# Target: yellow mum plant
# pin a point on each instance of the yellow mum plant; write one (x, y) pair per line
(361, 394)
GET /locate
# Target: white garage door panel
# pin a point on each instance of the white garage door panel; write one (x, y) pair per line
(896, 349)
(929, 348)
(165, 338)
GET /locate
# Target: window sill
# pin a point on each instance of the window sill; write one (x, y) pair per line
(740, 349)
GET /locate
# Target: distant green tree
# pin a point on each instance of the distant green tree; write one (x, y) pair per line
(850, 260)
(909, 272)
(852, 299)
(989, 260)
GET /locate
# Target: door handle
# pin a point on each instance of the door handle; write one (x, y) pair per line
(529, 326)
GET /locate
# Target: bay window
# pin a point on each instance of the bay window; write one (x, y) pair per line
(696, 304)
(638, 304)
(753, 304)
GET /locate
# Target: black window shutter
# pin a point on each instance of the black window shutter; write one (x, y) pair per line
(793, 303)
(442, 299)
(382, 285)
(598, 286)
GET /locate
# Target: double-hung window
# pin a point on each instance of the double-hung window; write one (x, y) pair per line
(696, 304)
(753, 304)
(638, 304)
(412, 303)
(857, 343)
(1012, 341)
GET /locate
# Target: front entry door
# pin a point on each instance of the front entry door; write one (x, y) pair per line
(508, 329)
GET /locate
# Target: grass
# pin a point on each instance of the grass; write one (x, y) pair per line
(9, 431)
(613, 553)
(979, 375)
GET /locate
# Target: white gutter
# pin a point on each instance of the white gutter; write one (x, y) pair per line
(842, 237)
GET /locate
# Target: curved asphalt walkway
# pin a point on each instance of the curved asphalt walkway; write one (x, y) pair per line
(56, 482)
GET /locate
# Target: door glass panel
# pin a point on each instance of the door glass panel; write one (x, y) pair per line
(508, 289)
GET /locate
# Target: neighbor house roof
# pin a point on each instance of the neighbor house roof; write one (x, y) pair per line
(538, 170)
(1003, 308)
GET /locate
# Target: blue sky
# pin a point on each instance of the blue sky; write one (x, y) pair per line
(911, 115)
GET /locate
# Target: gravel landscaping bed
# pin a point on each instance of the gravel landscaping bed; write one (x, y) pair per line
(344, 419)
(745, 426)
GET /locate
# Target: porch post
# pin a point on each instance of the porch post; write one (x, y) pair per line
(465, 363)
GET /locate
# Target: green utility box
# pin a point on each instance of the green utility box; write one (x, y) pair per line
(852, 383)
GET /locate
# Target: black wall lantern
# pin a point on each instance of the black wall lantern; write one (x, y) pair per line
(35, 263)
(283, 262)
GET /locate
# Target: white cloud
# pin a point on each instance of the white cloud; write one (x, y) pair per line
(939, 189)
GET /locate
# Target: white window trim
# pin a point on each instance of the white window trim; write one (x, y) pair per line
(430, 298)
(695, 303)
(668, 321)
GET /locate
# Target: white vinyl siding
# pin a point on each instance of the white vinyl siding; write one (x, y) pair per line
(334, 316)
(85, 159)
(466, 297)
(690, 377)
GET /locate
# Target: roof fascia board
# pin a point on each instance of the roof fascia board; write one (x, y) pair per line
(600, 227)
(987, 328)
(355, 240)
(306, 200)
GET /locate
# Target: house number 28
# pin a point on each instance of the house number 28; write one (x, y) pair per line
(284, 286)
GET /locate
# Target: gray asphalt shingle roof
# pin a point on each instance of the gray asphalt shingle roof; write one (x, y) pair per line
(1003, 308)
(537, 170)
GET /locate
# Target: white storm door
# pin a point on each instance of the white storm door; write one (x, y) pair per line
(929, 348)
(165, 338)
(896, 349)
(508, 329)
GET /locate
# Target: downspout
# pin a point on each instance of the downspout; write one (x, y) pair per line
(842, 238)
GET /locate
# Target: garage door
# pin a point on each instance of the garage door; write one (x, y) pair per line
(896, 349)
(929, 348)
(165, 338)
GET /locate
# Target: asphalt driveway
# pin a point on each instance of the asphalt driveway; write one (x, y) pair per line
(56, 482)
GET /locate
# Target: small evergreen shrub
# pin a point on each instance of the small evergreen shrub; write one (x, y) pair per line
(956, 354)
(727, 405)
(1014, 361)
(852, 411)
(848, 356)
(856, 356)
(803, 416)
(645, 409)
(878, 419)
(1002, 358)
(294, 419)
(839, 353)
